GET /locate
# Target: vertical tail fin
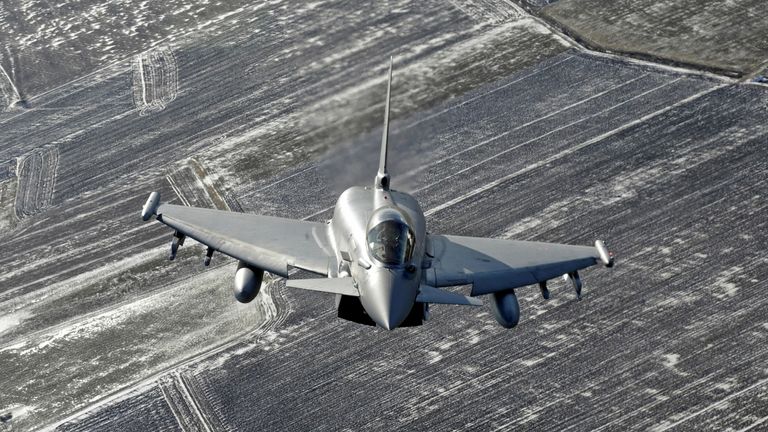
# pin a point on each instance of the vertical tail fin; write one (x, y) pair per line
(382, 177)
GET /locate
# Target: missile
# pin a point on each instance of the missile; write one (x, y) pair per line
(575, 281)
(178, 240)
(208, 256)
(544, 290)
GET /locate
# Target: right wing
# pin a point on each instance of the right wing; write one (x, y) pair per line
(341, 285)
(492, 265)
(268, 243)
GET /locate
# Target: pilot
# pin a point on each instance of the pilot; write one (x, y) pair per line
(387, 242)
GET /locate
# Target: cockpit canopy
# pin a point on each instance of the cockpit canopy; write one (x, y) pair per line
(390, 240)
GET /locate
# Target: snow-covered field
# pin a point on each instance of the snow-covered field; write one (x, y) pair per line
(728, 36)
(499, 130)
(210, 117)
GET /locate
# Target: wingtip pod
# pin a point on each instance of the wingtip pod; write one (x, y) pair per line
(605, 256)
(150, 207)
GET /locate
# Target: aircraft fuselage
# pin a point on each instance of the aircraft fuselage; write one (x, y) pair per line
(388, 290)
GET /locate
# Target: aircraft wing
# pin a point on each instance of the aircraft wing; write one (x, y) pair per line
(492, 265)
(269, 243)
(339, 285)
(428, 294)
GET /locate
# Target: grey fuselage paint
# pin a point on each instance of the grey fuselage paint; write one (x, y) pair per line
(387, 291)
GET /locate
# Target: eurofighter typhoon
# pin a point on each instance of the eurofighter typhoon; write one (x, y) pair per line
(378, 258)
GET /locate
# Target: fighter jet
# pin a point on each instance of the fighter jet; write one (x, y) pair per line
(376, 254)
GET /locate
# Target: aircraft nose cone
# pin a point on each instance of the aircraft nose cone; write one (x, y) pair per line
(396, 315)
(387, 303)
(390, 316)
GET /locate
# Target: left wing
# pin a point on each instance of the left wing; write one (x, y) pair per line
(493, 265)
(268, 243)
(428, 294)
